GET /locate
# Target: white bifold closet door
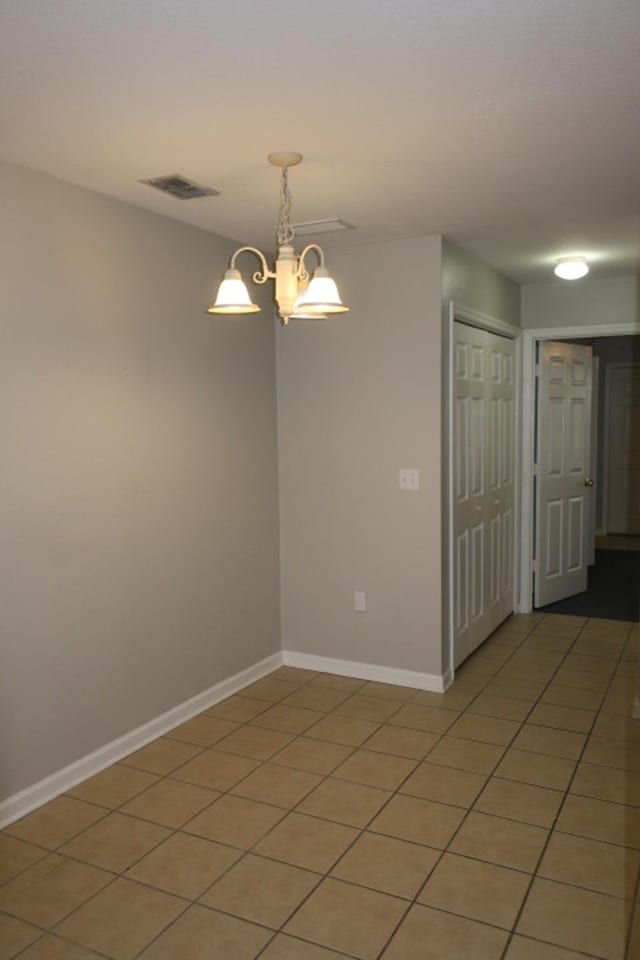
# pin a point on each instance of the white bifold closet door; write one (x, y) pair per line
(483, 485)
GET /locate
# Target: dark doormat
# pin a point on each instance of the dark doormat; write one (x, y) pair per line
(613, 589)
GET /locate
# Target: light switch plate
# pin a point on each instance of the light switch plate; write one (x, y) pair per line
(360, 601)
(409, 479)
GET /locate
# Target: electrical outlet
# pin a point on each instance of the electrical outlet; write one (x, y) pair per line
(409, 479)
(360, 601)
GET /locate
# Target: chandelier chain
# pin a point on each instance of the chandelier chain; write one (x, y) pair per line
(285, 231)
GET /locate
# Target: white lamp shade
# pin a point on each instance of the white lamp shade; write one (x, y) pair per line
(299, 312)
(571, 268)
(321, 296)
(233, 296)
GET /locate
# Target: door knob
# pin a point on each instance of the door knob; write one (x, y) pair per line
(588, 482)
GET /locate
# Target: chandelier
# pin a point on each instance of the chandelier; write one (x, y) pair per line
(298, 294)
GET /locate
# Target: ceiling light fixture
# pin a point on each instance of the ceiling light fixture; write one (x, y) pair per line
(571, 268)
(299, 295)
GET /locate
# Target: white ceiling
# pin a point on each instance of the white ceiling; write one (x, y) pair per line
(512, 126)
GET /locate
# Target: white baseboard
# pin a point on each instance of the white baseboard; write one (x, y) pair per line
(62, 780)
(433, 682)
(38, 793)
(447, 679)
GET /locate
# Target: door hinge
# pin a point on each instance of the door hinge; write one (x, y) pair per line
(534, 566)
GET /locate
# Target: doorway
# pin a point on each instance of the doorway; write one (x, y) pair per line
(585, 477)
(621, 450)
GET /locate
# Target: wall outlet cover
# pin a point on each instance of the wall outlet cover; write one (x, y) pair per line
(409, 479)
(360, 601)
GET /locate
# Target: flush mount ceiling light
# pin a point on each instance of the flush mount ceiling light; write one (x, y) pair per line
(298, 294)
(571, 268)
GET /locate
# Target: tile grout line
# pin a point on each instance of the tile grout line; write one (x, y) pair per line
(362, 830)
(168, 776)
(249, 723)
(286, 812)
(442, 852)
(516, 649)
(245, 852)
(552, 830)
(121, 874)
(634, 916)
(363, 745)
(328, 775)
(491, 677)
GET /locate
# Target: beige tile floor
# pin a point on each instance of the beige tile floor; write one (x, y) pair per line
(315, 817)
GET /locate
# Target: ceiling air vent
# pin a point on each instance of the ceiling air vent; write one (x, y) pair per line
(181, 188)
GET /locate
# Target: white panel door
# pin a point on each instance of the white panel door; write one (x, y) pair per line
(483, 466)
(563, 485)
(469, 479)
(624, 450)
(500, 360)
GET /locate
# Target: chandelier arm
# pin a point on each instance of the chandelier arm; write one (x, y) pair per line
(303, 273)
(257, 276)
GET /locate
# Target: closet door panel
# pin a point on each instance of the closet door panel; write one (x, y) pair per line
(471, 536)
(483, 464)
(500, 504)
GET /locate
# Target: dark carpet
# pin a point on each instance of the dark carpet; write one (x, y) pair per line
(613, 590)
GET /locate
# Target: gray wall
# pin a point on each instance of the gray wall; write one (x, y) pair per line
(562, 303)
(476, 284)
(358, 398)
(138, 490)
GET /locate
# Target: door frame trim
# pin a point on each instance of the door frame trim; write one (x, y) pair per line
(530, 337)
(608, 370)
(483, 321)
(594, 459)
